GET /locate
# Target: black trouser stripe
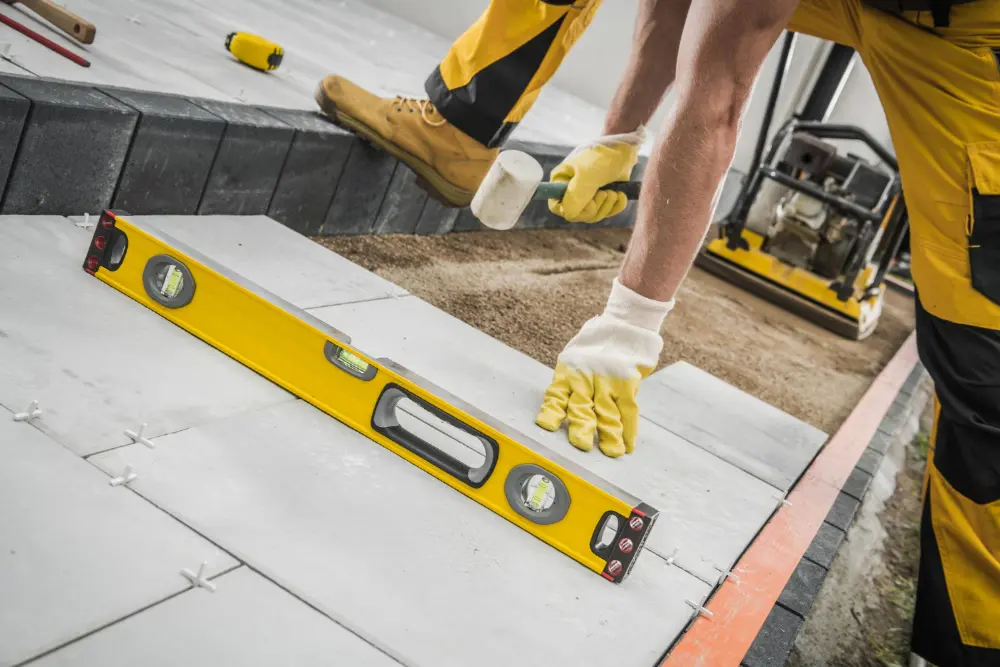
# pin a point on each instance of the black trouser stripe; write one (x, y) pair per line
(480, 107)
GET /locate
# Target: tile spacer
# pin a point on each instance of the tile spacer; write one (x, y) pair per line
(198, 580)
(698, 609)
(33, 411)
(784, 502)
(137, 437)
(727, 574)
(673, 556)
(125, 478)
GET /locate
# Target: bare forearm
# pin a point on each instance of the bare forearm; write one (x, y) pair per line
(651, 65)
(724, 44)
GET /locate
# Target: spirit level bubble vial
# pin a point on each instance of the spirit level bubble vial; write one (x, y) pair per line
(578, 513)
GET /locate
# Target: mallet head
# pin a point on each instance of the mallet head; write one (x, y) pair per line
(507, 189)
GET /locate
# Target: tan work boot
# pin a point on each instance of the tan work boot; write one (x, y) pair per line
(449, 164)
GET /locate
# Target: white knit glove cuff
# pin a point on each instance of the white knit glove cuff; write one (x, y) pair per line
(622, 338)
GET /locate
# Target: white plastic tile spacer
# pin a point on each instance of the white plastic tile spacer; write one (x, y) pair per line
(698, 609)
(198, 580)
(784, 502)
(126, 477)
(673, 556)
(727, 574)
(33, 411)
(137, 437)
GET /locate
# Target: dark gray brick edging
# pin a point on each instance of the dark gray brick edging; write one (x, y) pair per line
(776, 638)
(69, 148)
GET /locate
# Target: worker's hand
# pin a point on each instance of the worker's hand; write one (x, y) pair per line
(598, 373)
(590, 167)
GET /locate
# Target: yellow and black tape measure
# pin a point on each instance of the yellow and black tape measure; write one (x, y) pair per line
(254, 50)
(594, 522)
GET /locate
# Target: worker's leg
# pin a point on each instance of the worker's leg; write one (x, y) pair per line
(941, 96)
(957, 619)
(480, 91)
(494, 72)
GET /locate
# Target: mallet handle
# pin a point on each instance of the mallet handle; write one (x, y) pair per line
(556, 190)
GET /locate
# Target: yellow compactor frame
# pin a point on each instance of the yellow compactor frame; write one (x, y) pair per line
(586, 518)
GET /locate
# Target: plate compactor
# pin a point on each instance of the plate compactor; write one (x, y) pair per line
(814, 228)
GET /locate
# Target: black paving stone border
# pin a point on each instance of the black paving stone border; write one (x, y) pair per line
(69, 148)
(171, 155)
(249, 162)
(776, 638)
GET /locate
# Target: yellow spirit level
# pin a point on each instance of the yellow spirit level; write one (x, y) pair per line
(585, 517)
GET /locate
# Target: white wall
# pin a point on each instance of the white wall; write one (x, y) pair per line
(592, 69)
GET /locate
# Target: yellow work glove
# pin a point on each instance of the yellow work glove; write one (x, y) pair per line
(598, 373)
(591, 167)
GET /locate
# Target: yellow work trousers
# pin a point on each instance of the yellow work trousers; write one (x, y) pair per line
(940, 90)
(494, 72)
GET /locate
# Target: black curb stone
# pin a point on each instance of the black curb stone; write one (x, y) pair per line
(825, 545)
(362, 188)
(173, 147)
(803, 587)
(774, 642)
(71, 151)
(403, 204)
(842, 513)
(249, 161)
(870, 461)
(435, 218)
(857, 484)
(312, 170)
(68, 148)
(13, 113)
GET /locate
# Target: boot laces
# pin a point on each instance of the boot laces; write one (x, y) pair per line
(425, 107)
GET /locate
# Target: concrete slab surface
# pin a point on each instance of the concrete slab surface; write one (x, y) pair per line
(401, 559)
(247, 621)
(178, 46)
(749, 433)
(75, 552)
(283, 261)
(98, 362)
(710, 509)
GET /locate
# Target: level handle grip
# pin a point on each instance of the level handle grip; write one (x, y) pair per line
(76, 27)
(557, 189)
(384, 421)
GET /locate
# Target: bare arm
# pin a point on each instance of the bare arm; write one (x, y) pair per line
(651, 66)
(721, 51)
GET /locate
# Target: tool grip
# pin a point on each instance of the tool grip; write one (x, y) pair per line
(76, 27)
(557, 189)
(385, 421)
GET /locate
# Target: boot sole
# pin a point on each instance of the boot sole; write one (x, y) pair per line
(428, 178)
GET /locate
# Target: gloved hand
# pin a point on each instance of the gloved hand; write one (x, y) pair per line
(590, 167)
(598, 373)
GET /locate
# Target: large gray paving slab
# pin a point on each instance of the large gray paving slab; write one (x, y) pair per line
(247, 621)
(279, 259)
(99, 362)
(749, 433)
(75, 552)
(400, 558)
(710, 509)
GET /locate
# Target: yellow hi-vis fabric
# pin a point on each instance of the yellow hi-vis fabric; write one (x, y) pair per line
(940, 89)
(505, 27)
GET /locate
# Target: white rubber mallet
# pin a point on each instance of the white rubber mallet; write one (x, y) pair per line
(514, 180)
